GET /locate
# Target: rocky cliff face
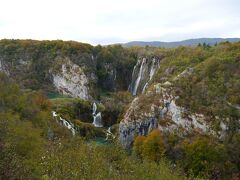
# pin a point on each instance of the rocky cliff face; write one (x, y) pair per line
(3, 68)
(109, 79)
(157, 108)
(14, 67)
(83, 70)
(71, 80)
(142, 73)
(136, 124)
(30, 62)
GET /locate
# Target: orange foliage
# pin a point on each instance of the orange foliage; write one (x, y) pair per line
(138, 143)
(151, 147)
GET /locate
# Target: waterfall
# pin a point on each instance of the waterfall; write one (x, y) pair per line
(145, 87)
(154, 67)
(131, 85)
(97, 118)
(64, 122)
(109, 134)
(94, 108)
(54, 114)
(140, 74)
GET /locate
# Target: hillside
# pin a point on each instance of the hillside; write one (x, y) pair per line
(188, 42)
(73, 110)
(193, 97)
(55, 66)
(34, 146)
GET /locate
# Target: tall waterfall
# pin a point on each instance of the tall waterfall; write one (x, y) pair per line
(97, 117)
(139, 77)
(154, 67)
(94, 108)
(142, 74)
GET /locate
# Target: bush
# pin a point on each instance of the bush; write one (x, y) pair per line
(151, 147)
(138, 145)
(88, 130)
(204, 157)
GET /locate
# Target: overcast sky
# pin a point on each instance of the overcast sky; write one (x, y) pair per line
(113, 21)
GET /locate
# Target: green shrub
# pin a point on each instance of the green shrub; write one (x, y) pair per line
(204, 157)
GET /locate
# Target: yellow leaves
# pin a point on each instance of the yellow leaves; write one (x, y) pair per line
(138, 143)
(151, 147)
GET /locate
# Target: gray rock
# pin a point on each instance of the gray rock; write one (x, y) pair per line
(127, 131)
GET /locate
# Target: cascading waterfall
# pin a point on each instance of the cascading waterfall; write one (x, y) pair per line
(97, 122)
(64, 122)
(97, 118)
(145, 87)
(154, 66)
(94, 108)
(142, 74)
(109, 134)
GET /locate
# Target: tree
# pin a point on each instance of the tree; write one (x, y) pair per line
(204, 157)
(138, 145)
(153, 147)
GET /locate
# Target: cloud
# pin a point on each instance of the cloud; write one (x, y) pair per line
(108, 21)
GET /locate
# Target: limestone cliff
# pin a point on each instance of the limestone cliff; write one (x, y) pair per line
(71, 80)
(83, 70)
(157, 108)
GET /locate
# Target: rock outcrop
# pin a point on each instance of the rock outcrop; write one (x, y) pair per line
(71, 80)
(157, 108)
(2, 68)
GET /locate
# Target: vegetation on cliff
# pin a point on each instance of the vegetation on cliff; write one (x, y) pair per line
(33, 146)
(206, 81)
(30, 62)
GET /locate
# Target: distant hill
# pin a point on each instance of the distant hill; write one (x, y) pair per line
(188, 42)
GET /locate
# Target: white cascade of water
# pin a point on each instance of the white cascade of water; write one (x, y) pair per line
(145, 87)
(97, 120)
(54, 114)
(140, 74)
(154, 67)
(97, 117)
(109, 134)
(94, 108)
(64, 122)
(131, 85)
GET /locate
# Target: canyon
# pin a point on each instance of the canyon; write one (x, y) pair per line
(90, 72)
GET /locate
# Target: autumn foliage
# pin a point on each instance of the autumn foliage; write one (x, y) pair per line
(151, 147)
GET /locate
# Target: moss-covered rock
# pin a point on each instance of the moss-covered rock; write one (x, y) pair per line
(88, 130)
